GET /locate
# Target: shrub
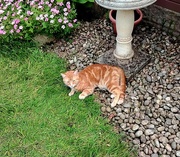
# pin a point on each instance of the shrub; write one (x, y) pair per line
(86, 3)
(25, 19)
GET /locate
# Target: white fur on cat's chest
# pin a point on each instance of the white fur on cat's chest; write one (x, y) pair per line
(102, 87)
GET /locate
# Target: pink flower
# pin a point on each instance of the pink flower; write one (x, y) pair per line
(68, 5)
(13, 14)
(32, 3)
(16, 21)
(28, 12)
(11, 31)
(46, 19)
(15, 26)
(5, 18)
(75, 20)
(59, 20)
(60, 4)
(18, 31)
(70, 25)
(41, 3)
(25, 19)
(66, 21)
(55, 11)
(2, 32)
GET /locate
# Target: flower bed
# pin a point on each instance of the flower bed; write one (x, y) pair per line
(24, 20)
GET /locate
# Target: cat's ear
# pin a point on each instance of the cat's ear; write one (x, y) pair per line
(63, 75)
(76, 72)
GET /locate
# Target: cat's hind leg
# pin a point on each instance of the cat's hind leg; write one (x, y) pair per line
(86, 92)
(121, 96)
(115, 101)
(118, 96)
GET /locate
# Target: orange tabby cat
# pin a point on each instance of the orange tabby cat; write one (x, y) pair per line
(97, 75)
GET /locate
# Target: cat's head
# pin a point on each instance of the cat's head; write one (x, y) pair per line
(70, 78)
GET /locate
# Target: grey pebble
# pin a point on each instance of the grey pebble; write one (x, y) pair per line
(135, 127)
(161, 128)
(163, 139)
(174, 109)
(178, 153)
(169, 86)
(173, 145)
(168, 147)
(138, 133)
(154, 155)
(145, 122)
(149, 132)
(148, 78)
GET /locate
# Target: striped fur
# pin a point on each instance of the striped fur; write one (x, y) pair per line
(97, 75)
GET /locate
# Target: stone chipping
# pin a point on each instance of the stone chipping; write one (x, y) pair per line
(150, 115)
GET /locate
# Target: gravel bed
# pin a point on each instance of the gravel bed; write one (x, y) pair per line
(150, 115)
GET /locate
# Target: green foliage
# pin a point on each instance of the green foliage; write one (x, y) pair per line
(38, 118)
(86, 3)
(83, 1)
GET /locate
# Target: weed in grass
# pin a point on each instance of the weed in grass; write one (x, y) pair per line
(38, 118)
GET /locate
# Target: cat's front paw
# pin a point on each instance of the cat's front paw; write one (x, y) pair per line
(71, 93)
(82, 96)
(121, 100)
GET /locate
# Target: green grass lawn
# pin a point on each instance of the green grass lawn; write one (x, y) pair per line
(39, 119)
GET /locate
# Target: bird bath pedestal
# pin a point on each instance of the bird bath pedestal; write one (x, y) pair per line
(131, 60)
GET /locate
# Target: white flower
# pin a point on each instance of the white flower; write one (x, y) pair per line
(37, 18)
(21, 16)
(19, 11)
(1, 11)
(51, 16)
(41, 17)
(2, 27)
(65, 9)
(46, 15)
(39, 7)
(52, 21)
(63, 27)
(20, 27)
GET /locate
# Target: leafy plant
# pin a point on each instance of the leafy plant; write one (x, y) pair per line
(25, 19)
(86, 3)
